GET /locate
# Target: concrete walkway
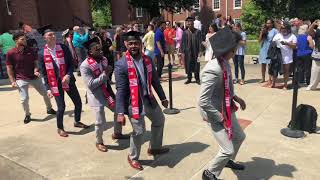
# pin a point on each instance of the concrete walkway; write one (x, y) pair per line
(35, 151)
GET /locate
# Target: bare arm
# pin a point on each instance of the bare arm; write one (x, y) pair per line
(310, 42)
(160, 47)
(11, 73)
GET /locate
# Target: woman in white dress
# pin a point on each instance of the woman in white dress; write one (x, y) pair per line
(286, 41)
(212, 31)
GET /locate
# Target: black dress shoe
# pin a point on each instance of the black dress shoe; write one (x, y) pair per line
(207, 175)
(198, 82)
(80, 125)
(27, 119)
(234, 166)
(51, 111)
(188, 82)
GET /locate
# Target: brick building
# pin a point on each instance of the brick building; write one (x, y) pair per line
(122, 13)
(59, 13)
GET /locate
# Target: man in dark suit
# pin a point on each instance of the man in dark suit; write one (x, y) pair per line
(57, 70)
(135, 77)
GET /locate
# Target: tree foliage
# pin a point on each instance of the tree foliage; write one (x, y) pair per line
(101, 12)
(289, 8)
(153, 6)
(253, 18)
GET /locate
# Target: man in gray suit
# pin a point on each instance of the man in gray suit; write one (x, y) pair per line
(95, 72)
(217, 103)
(135, 77)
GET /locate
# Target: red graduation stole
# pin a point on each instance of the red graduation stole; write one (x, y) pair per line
(226, 105)
(96, 73)
(134, 85)
(52, 79)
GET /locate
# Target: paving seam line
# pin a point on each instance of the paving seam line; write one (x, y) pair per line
(23, 166)
(194, 134)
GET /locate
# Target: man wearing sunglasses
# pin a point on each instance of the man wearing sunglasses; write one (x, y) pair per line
(135, 77)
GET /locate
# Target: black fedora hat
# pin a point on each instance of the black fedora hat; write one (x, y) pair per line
(224, 41)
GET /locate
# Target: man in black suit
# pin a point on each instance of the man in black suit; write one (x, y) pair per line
(57, 70)
(135, 77)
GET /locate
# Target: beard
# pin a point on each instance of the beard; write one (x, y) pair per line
(135, 52)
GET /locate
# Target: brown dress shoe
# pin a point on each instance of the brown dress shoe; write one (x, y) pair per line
(120, 136)
(80, 125)
(135, 164)
(62, 133)
(153, 152)
(101, 147)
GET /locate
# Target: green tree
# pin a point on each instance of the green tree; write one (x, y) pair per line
(153, 6)
(101, 12)
(289, 8)
(253, 18)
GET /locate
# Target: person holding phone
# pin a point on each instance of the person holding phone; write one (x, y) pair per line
(286, 41)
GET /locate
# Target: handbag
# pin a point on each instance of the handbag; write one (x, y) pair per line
(315, 54)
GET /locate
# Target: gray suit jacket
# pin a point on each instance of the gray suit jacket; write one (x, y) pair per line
(95, 95)
(212, 91)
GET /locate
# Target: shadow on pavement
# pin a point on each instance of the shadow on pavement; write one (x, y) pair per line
(82, 131)
(264, 169)
(177, 153)
(49, 117)
(252, 81)
(184, 109)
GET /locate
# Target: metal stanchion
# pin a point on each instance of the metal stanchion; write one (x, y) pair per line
(170, 110)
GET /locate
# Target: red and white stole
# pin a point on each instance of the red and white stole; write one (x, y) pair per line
(52, 79)
(134, 85)
(227, 106)
(94, 66)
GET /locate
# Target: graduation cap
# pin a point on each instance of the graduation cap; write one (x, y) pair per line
(91, 42)
(65, 32)
(190, 18)
(224, 41)
(133, 35)
(44, 29)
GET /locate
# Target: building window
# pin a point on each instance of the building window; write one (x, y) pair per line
(139, 12)
(216, 5)
(196, 6)
(237, 4)
(177, 10)
(237, 20)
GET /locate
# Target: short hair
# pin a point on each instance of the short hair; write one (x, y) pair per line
(151, 26)
(17, 35)
(219, 15)
(214, 27)
(238, 25)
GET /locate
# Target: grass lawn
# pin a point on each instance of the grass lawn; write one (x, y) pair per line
(253, 48)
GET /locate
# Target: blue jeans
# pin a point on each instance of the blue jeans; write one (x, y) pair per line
(150, 54)
(238, 60)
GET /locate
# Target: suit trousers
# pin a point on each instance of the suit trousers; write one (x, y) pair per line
(157, 124)
(304, 65)
(23, 86)
(160, 64)
(101, 123)
(228, 148)
(73, 93)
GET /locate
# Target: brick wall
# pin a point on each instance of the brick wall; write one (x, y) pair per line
(41, 12)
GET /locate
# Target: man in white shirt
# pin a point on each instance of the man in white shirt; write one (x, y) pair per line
(197, 23)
